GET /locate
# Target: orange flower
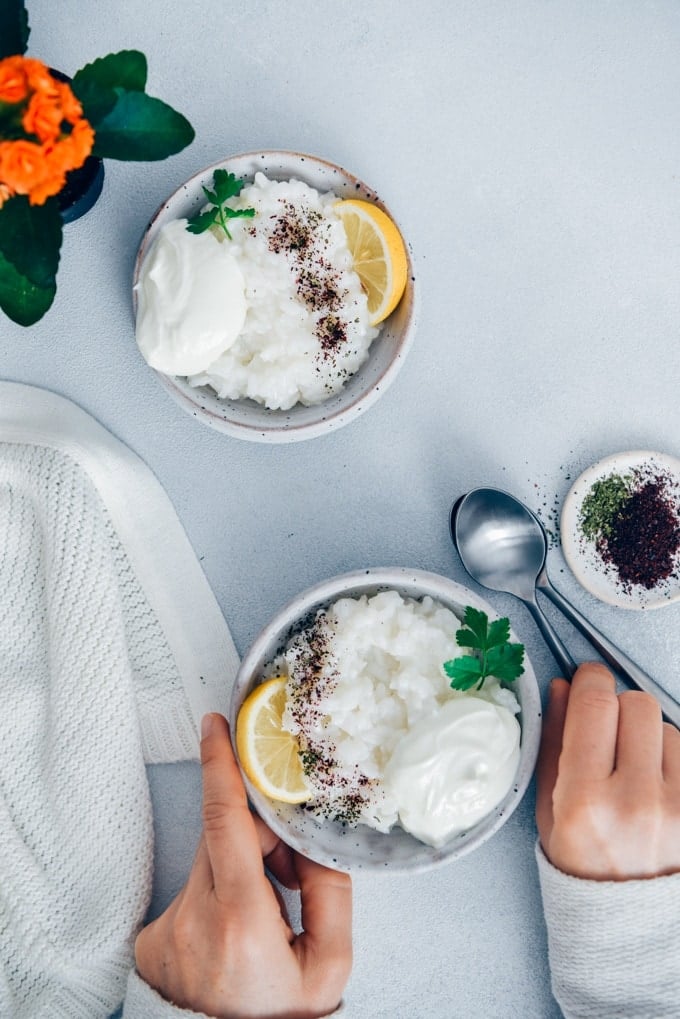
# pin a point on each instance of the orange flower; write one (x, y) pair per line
(51, 185)
(74, 148)
(48, 107)
(51, 113)
(70, 106)
(43, 117)
(13, 80)
(22, 164)
(39, 77)
(26, 171)
(5, 193)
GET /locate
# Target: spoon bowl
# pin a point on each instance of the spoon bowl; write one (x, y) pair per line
(501, 542)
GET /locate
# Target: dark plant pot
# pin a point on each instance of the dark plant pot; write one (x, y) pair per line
(82, 189)
(84, 185)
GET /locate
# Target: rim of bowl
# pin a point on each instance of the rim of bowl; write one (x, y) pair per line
(288, 620)
(581, 557)
(283, 429)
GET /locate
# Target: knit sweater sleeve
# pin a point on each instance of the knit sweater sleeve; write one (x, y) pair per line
(142, 1002)
(613, 945)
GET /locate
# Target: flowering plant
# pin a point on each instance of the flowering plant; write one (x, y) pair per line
(48, 128)
(43, 128)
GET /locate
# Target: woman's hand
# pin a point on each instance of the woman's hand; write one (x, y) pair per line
(608, 805)
(224, 946)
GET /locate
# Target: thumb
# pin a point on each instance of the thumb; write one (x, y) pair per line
(228, 828)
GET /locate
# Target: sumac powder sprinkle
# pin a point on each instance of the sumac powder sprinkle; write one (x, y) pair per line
(294, 229)
(331, 333)
(301, 234)
(644, 537)
(636, 529)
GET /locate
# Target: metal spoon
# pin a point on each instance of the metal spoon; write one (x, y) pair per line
(496, 540)
(503, 546)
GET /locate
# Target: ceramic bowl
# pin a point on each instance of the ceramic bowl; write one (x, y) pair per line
(245, 418)
(581, 554)
(362, 848)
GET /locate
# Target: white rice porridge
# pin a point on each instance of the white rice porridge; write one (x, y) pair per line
(365, 674)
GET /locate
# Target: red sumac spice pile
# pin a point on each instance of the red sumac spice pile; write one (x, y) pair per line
(633, 520)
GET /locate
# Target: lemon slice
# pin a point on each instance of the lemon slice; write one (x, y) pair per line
(268, 754)
(378, 255)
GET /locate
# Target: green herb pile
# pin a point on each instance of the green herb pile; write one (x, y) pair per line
(603, 504)
(492, 652)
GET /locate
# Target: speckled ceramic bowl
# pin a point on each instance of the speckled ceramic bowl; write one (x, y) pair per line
(352, 849)
(245, 418)
(587, 565)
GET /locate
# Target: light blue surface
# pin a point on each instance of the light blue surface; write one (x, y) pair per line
(531, 152)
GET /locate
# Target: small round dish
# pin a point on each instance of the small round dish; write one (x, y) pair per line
(597, 576)
(245, 418)
(360, 847)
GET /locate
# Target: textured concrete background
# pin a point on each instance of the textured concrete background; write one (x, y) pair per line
(531, 153)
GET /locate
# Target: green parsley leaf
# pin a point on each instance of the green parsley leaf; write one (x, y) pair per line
(234, 213)
(477, 621)
(499, 632)
(464, 672)
(466, 638)
(200, 222)
(506, 663)
(495, 655)
(226, 185)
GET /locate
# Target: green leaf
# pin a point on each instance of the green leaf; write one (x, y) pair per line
(97, 100)
(202, 221)
(494, 657)
(21, 300)
(96, 84)
(14, 30)
(464, 672)
(140, 127)
(478, 622)
(506, 663)
(466, 638)
(499, 632)
(30, 238)
(126, 70)
(226, 185)
(238, 213)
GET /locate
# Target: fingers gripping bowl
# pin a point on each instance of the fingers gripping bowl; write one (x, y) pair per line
(267, 421)
(350, 847)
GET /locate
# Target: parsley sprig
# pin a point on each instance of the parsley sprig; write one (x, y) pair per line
(494, 655)
(225, 186)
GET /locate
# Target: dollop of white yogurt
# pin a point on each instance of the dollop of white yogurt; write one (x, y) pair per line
(191, 302)
(451, 769)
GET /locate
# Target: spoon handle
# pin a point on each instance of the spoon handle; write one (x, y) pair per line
(626, 668)
(560, 654)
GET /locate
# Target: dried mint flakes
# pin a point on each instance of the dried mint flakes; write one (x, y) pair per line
(603, 503)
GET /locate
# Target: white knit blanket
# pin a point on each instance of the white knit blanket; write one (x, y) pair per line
(111, 648)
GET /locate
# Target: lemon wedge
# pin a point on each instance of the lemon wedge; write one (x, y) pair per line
(378, 255)
(268, 754)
